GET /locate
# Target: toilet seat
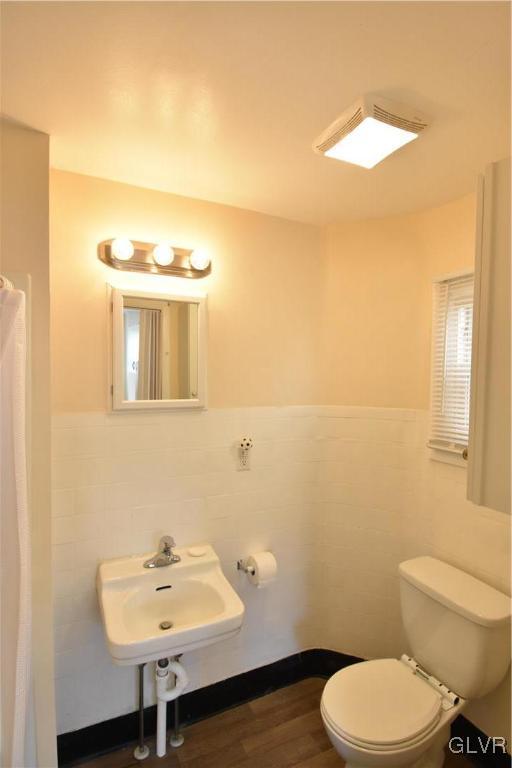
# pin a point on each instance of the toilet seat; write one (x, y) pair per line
(380, 705)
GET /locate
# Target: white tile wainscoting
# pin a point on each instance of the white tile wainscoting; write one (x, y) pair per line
(340, 494)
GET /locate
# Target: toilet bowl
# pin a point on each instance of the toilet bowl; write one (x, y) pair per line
(380, 713)
(389, 713)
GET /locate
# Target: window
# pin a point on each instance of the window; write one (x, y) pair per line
(451, 365)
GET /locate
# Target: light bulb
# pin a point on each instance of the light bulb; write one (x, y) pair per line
(163, 254)
(122, 248)
(199, 259)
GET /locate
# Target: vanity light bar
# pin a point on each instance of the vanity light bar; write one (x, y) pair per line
(135, 256)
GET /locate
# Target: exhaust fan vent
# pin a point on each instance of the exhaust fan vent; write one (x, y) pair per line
(369, 131)
(340, 129)
(399, 122)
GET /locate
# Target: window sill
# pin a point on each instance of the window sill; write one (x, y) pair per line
(448, 455)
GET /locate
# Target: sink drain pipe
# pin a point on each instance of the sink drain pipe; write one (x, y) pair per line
(165, 694)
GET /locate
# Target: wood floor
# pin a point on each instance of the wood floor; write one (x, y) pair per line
(280, 730)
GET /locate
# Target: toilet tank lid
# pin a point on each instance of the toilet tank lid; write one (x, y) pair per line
(459, 591)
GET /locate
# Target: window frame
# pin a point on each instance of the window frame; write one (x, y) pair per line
(446, 454)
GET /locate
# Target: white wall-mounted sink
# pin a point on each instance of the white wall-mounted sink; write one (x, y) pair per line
(193, 596)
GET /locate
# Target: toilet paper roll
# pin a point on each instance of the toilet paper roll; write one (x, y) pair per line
(264, 567)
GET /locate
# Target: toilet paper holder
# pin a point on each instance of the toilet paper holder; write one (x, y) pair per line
(241, 565)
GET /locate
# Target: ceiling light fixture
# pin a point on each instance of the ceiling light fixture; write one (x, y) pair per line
(370, 130)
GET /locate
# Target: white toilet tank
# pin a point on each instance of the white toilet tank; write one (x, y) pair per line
(458, 627)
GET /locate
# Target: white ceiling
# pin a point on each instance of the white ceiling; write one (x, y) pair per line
(222, 101)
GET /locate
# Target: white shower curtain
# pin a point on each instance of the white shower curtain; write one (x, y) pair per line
(149, 385)
(15, 575)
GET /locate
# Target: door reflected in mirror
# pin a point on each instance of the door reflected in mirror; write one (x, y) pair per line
(158, 354)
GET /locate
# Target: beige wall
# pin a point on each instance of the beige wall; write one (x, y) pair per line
(263, 293)
(378, 299)
(24, 249)
(296, 315)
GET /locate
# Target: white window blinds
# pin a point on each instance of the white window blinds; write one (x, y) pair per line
(451, 363)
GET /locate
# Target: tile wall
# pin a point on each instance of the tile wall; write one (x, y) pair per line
(340, 495)
(121, 481)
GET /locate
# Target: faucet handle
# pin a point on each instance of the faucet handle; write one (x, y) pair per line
(166, 544)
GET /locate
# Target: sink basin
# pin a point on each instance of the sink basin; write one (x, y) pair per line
(149, 614)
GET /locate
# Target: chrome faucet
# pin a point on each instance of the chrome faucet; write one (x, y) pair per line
(165, 555)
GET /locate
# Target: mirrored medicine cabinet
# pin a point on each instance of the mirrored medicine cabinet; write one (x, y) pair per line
(158, 351)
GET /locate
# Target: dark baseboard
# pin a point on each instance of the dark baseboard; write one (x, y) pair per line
(103, 737)
(109, 735)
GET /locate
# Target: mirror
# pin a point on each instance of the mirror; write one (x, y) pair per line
(158, 351)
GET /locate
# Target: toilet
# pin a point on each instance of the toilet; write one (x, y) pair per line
(388, 713)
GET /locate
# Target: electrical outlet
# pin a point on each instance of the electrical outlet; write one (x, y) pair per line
(244, 452)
